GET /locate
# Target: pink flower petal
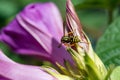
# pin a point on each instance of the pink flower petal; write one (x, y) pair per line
(37, 31)
(10, 70)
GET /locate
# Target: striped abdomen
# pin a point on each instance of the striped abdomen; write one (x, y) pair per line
(74, 39)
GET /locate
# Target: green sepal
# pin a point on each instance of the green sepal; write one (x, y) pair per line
(56, 74)
(78, 59)
(63, 69)
(92, 69)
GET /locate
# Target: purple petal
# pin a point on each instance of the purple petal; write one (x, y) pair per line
(44, 14)
(10, 70)
(37, 31)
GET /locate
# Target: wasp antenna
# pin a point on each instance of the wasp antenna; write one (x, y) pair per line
(59, 45)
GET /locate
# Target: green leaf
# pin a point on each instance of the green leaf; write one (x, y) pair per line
(98, 4)
(92, 4)
(76, 2)
(7, 8)
(116, 74)
(108, 46)
(91, 18)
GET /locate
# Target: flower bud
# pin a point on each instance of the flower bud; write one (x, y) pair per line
(87, 63)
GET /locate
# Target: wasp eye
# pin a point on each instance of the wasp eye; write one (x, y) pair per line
(65, 39)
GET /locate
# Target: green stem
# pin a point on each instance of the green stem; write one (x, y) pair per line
(110, 16)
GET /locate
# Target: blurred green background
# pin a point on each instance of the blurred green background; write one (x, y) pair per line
(95, 16)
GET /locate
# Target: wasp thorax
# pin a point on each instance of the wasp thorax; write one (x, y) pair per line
(70, 39)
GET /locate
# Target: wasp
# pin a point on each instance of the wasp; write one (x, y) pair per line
(69, 39)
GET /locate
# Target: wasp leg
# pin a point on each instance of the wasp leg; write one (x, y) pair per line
(72, 45)
(67, 45)
(70, 32)
(59, 45)
(85, 42)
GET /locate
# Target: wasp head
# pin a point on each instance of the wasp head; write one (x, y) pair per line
(65, 39)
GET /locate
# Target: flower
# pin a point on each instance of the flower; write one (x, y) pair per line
(74, 25)
(30, 35)
(87, 64)
(10, 70)
(37, 31)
